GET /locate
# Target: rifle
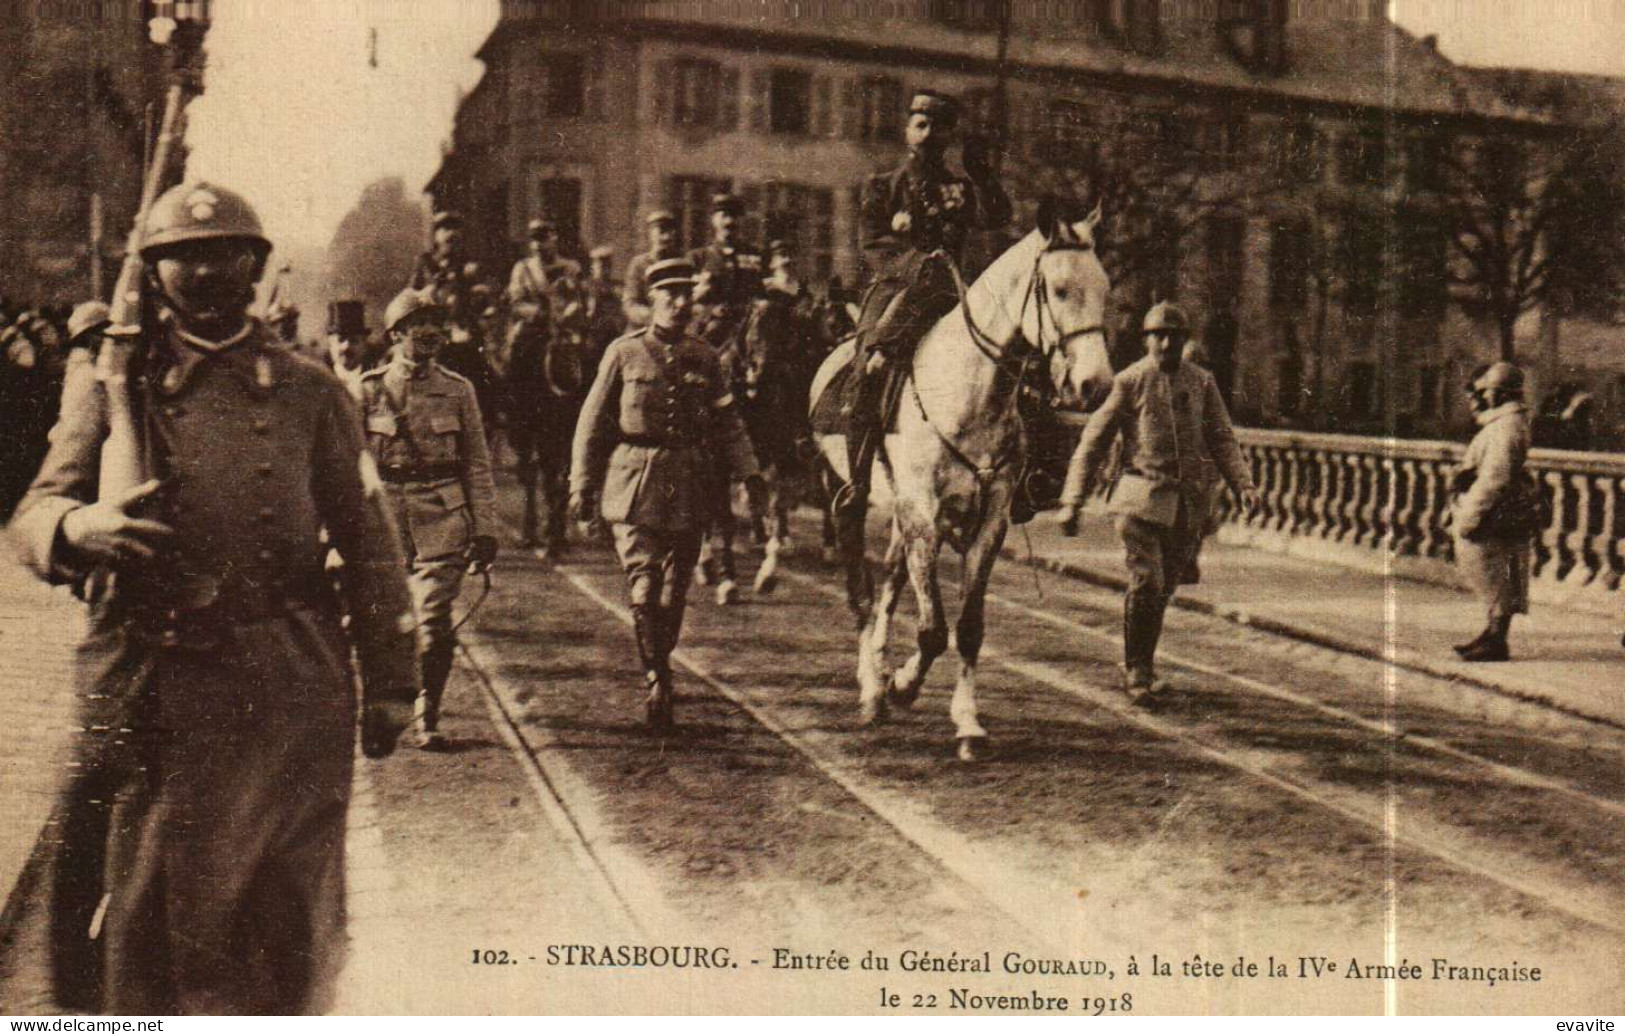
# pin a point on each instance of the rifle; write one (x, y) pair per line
(124, 454)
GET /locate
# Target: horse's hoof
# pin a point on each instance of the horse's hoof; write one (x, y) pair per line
(902, 696)
(873, 712)
(829, 555)
(727, 593)
(766, 582)
(972, 748)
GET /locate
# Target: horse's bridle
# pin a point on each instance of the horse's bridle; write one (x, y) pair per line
(1000, 353)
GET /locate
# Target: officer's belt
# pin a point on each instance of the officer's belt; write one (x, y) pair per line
(189, 625)
(402, 475)
(652, 441)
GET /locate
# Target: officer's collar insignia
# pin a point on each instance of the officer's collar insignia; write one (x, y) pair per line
(202, 204)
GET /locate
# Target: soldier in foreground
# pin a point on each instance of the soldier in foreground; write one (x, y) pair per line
(423, 424)
(657, 422)
(1175, 431)
(203, 864)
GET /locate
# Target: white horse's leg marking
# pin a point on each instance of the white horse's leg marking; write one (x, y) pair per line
(979, 561)
(891, 590)
(932, 638)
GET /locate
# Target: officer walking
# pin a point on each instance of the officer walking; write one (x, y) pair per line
(451, 278)
(1175, 432)
(423, 424)
(202, 868)
(662, 246)
(658, 420)
(907, 216)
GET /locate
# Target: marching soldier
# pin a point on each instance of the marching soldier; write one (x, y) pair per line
(658, 420)
(202, 868)
(1176, 432)
(601, 297)
(451, 278)
(662, 246)
(908, 215)
(423, 424)
(729, 281)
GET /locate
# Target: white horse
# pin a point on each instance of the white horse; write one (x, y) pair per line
(958, 446)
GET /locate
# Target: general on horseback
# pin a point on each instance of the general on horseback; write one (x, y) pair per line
(946, 416)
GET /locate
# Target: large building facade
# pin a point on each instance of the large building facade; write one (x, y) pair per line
(1312, 139)
(82, 84)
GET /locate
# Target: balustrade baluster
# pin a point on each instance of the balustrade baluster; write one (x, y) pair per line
(1550, 567)
(1578, 539)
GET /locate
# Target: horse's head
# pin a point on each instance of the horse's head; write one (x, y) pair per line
(1068, 323)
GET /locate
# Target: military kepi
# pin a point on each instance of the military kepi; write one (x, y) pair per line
(674, 272)
(940, 107)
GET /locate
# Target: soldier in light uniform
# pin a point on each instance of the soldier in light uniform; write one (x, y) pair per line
(423, 425)
(658, 421)
(544, 281)
(662, 246)
(1176, 432)
(201, 868)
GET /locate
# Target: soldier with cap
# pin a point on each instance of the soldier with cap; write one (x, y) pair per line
(662, 227)
(543, 283)
(1495, 514)
(601, 294)
(202, 863)
(1175, 433)
(910, 220)
(450, 277)
(347, 343)
(657, 422)
(423, 424)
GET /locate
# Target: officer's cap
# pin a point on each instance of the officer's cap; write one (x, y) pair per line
(1166, 316)
(448, 218)
(409, 306)
(603, 251)
(660, 216)
(538, 227)
(730, 203)
(88, 316)
(939, 107)
(674, 272)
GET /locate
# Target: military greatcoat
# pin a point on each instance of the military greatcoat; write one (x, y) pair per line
(203, 870)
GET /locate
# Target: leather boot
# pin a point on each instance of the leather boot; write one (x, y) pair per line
(1139, 647)
(527, 524)
(426, 712)
(1474, 643)
(659, 713)
(1493, 644)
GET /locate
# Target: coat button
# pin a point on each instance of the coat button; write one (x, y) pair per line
(174, 411)
(266, 515)
(261, 425)
(267, 556)
(265, 469)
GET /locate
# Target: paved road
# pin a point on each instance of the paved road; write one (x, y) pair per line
(1285, 800)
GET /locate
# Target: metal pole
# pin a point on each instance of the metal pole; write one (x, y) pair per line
(1001, 88)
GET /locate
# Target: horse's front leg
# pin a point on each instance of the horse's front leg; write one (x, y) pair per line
(872, 675)
(979, 561)
(932, 636)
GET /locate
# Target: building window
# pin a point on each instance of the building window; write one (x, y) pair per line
(790, 102)
(689, 199)
(1068, 130)
(800, 214)
(966, 14)
(1289, 265)
(559, 199)
(1362, 158)
(696, 91)
(1226, 259)
(1361, 258)
(566, 86)
(1427, 161)
(881, 110)
(1296, 151)
(1424, 255)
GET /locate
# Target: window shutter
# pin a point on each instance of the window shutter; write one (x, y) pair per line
(595, 85)
(664, 95)
(761, 89)
(851, 115)
(821, 124)
(728, 99)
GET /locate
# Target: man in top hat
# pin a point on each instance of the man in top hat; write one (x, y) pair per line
(347, 342)
(662, 227)
(1177, 442)
(658, 421)
(423, 425)
(907, 215)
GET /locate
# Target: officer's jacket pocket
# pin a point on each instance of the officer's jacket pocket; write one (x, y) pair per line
(438, 526)
(640, 400)
(445, 423)
(624, 480)
(452, 495)
(381, 422)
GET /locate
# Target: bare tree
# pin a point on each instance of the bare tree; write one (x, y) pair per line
(374, 248)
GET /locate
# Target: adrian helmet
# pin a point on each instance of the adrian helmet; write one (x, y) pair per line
(410, 303)
(1166, 316)
(201, 211)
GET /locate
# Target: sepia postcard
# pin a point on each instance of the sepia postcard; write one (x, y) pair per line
(812, 507)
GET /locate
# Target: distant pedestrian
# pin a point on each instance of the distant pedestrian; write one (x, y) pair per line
(1496, 511)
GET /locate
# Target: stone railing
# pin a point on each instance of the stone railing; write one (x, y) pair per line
(1378, 502)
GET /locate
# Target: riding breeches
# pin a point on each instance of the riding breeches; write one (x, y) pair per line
(658, 565)
(1157, 556)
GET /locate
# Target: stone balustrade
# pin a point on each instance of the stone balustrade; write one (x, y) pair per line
(1383, 503)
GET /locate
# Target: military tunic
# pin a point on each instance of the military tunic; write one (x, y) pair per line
(423, 425)
(211, 790)
(657, 428)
